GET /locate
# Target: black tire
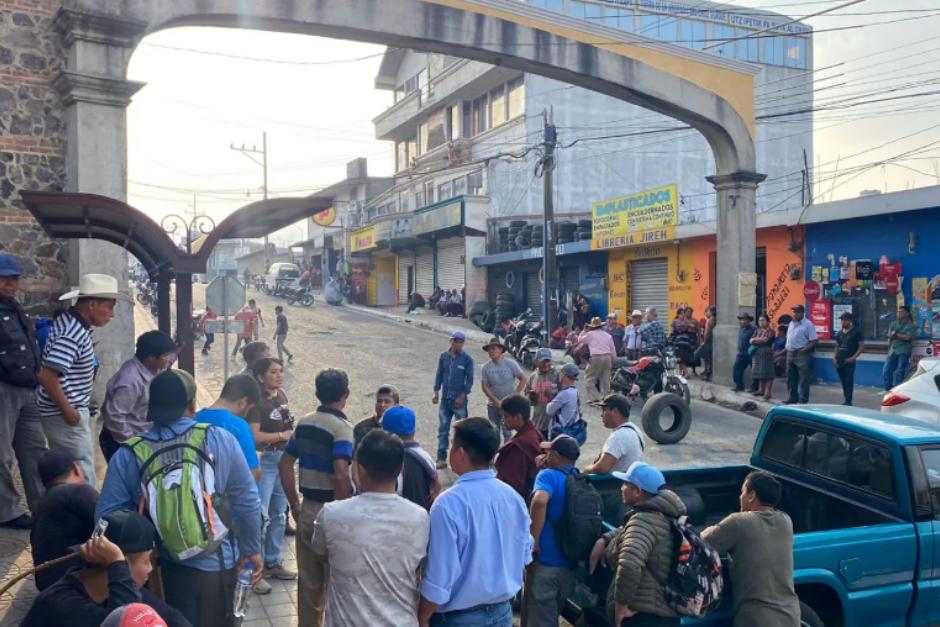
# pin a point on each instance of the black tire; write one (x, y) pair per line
(653, 409)
(809, 617)
(585, 223)
(479, 307)
(306, 299)
(517, 223)
(291, 300)
(674, 386)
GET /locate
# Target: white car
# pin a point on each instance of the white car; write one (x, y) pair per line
(919, 396)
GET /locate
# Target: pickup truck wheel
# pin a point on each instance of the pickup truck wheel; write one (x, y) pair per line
(809, 617)
(673, 407)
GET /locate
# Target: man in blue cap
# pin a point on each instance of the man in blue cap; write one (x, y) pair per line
(641, 552)
(452, 386)
(21, 432)
(418, 479)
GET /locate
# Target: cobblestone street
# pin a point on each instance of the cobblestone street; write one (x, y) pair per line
(375, 350)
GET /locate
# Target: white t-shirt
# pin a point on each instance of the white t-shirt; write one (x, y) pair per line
(625, 445)
(375, 543)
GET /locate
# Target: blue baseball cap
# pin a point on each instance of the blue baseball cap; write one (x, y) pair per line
(10, 266)
(399, 420)
(459, 336)
(642, 475)
(543, 354)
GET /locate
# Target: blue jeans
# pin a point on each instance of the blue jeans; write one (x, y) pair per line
(273, 508)
(445, 413)
(496, 615)
(895, 369)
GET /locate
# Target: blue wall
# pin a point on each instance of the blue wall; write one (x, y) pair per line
(870, 238)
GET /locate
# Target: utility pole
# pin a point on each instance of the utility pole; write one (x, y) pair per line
(549, 268)
(248, 152)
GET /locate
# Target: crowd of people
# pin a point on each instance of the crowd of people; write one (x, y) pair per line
(449, 304)
(205, 493)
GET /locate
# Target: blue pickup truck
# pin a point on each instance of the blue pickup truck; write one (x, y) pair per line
(863, 491)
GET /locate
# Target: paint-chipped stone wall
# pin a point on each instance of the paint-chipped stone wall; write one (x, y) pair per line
(32, 143)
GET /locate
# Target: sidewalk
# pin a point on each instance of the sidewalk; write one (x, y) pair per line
(819, 394)
(427, 319)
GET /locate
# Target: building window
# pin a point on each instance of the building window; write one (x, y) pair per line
(796, 52)
(516, 89)
(453, 125)
(592, 12)
(773, 50)
(649, 25)
(431, 131)
(420, 198)
(445, 191)
(554, 5)
(723, 36)
(460, 185)
(498, 106)
(475, 183)
(698, 35)
(399, 93)
(577, 9)
(480, 115)
(403, 202)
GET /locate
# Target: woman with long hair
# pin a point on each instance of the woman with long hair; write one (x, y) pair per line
(272, 424)
(762, 356)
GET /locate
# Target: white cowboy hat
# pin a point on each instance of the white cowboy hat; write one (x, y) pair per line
(95, 286)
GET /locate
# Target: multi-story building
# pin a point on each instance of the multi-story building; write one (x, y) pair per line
(466, 137)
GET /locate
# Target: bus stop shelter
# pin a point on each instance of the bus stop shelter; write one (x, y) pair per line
(66, 215)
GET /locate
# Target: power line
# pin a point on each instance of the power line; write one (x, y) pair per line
(264, 59)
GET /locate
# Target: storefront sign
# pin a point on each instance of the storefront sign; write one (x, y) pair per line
(325, 218)
(363, 239)
(437, 218)
(864, 270)
(648, 217)
(821, 317)
(811, 291)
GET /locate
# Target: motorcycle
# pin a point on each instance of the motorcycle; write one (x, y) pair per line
(524, 337)
(656, 374)
(294, 293)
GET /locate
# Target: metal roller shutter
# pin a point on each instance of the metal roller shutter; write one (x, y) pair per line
(533, 291)
(450, 263)
(649, 285)
(424, 271)
(406, 259)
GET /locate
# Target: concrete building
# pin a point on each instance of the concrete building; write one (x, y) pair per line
(467, 133)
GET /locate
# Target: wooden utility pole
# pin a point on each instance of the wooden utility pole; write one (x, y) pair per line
(549, 267)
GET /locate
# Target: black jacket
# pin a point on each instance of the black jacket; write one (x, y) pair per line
(19, 350)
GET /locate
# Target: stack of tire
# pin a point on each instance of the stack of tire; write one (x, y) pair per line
(502, 238)
(584, 229)
(538, 235)
(524, 239)
(566, 231)
(515, 227)
(481, 315)
(505, 307)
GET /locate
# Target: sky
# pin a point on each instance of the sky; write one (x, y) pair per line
(209, 88)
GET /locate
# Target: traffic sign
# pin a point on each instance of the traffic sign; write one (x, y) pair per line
(225, 295)
(811, 291)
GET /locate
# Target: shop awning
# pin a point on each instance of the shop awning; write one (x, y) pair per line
(515, 256)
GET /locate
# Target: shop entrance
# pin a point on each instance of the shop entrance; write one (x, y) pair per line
(649, 285)
(411, 280)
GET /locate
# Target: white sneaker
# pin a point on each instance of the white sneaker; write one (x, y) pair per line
(262, 587)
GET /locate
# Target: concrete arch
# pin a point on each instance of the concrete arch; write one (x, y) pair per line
(711, 94)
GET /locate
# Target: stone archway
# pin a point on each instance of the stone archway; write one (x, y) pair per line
(711, 94)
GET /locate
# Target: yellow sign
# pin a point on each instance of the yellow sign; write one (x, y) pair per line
(325, 218)
(363, 239)
(644, 218)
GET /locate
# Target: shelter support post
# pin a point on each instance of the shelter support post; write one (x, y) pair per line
(184, 323)
(737, 247)
(163, 301)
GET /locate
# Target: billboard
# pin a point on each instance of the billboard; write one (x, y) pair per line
(363, 239)
(647, 217)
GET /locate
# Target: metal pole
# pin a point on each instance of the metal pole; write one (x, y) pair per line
(264, 188)
(184, 322)
(549, 268)
(225, 327)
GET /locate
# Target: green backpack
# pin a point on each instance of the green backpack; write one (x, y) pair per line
(178, 491)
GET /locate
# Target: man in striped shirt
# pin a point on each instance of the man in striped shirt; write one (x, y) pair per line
(67, 374)
(323, 444)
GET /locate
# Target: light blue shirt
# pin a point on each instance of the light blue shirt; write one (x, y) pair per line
(480, 544)
(564, 409)
(800, 334)
(122, 489)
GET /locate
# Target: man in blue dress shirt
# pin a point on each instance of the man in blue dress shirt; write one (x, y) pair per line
(480, 542)
(452, 386)
(201, 587)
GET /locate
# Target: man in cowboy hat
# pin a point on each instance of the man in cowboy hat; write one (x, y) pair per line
(501, 377)
(68, 368)
(601, 345)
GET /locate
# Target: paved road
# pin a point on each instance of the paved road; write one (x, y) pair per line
(375, 351)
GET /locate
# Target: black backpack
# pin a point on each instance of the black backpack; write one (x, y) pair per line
(694, 584)
(582, 521)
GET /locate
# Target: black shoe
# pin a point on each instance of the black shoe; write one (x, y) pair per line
(22, 522)
(847, 403)
(789, 402)
(737, 389)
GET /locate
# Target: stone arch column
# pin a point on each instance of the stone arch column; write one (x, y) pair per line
(95, 95)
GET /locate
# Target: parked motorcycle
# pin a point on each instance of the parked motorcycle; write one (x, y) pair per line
(653, 379)
(524, 338)
(294, 293)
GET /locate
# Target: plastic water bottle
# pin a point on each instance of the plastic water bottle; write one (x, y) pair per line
(243, 591)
